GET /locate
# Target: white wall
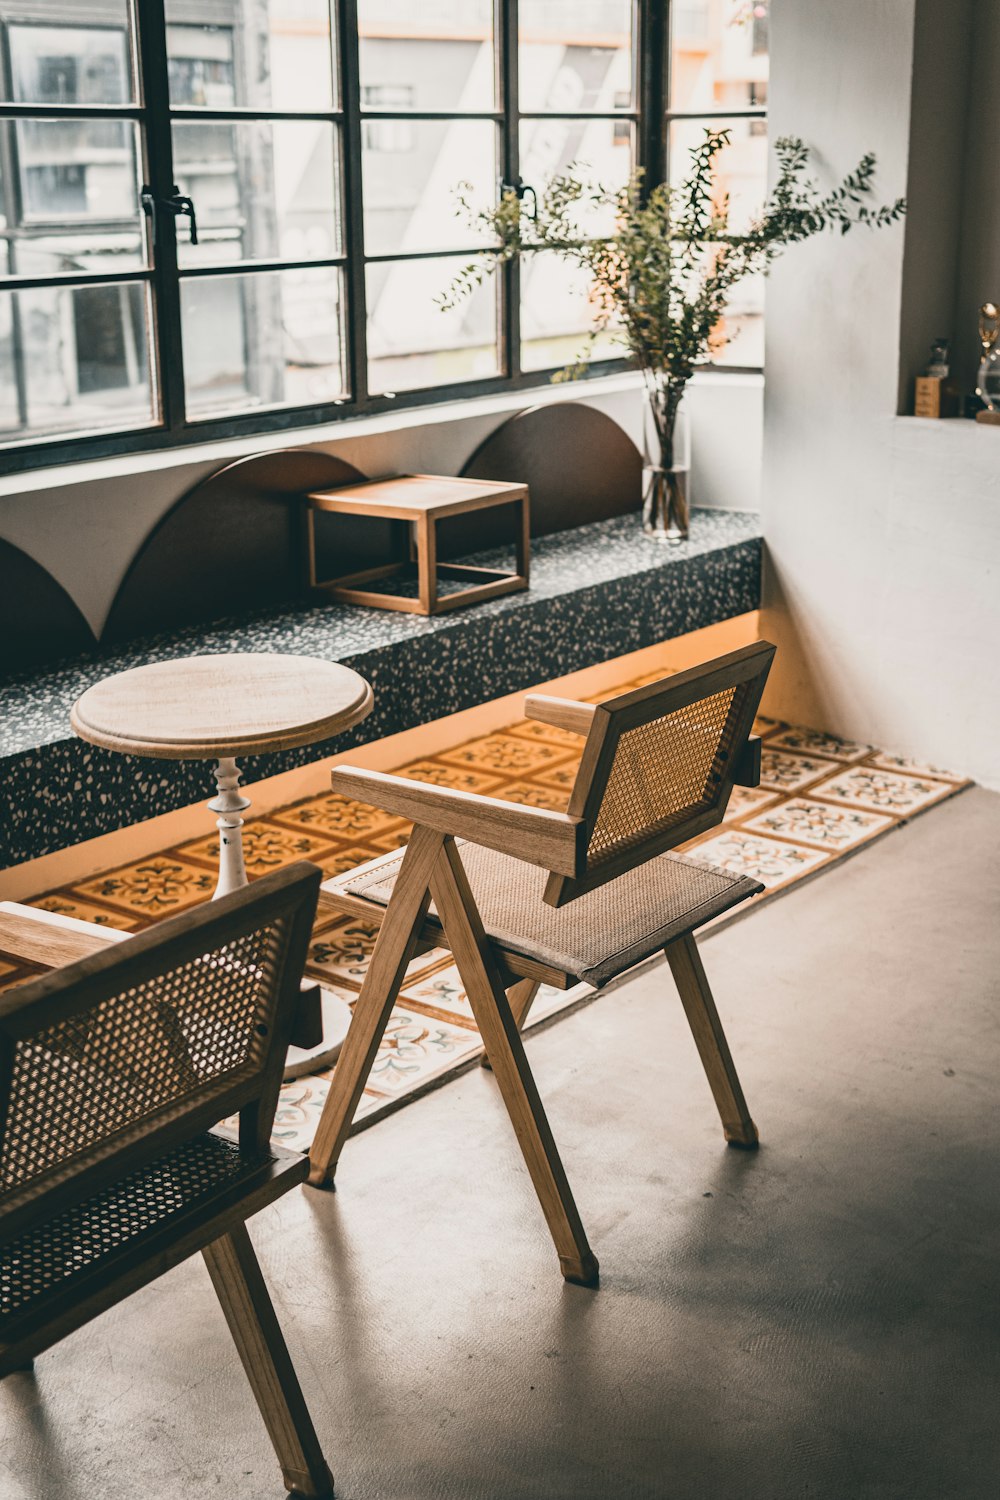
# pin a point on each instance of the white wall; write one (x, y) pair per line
(883, 532)
(85, 525)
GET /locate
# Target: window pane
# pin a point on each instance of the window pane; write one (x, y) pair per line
(740, 168)
(59, 64)
(263, 190)
(262, 341)
(82, 354)
(600, 151)
(718, 54)
(251, 54)
(743, 326)
(77, 208)
(575, 56)
(411, 173)
(411, 342)
(427, 55)
(557, 306)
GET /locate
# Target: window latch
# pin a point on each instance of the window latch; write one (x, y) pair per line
(521, 190)
(177, 205)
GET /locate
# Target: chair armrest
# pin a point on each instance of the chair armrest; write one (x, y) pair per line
(47, 938)
(747, 769)
(561, 713)
(540, 837)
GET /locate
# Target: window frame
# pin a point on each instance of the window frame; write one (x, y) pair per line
(650, 117)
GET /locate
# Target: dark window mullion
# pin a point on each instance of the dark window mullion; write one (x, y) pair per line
(353, 203)
(168, 360)
(654, 73)
(510, 307)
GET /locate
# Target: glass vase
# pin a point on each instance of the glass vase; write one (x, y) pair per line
(666, 476)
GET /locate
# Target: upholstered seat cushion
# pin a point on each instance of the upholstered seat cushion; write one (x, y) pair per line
(595, 937)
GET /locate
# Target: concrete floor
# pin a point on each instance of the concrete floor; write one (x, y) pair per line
(819, 1319)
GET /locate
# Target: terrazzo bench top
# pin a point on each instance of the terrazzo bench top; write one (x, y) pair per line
(597, 592)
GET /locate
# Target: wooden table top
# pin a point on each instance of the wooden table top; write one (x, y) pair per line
(407, 496)
(207, 707)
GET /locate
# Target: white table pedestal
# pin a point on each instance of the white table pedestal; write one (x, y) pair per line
(230, 804)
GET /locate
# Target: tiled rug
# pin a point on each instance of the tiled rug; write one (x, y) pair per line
(820, 799)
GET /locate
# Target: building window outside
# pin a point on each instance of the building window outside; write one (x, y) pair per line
(718, 79)
(325, 193)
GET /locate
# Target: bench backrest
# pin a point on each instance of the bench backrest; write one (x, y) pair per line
(112, 1061)
(659, 763)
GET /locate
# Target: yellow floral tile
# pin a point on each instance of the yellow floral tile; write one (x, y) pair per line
(152, 888)
(819, 823)
(267, 845)
(765, 727)
(340, 952)
(336, 817)
(393, 839)
(561, 778)
(13, 974)
(505, 753)
(531, 729)
(67, 904)
(533, 795)
(461, 778)
(341, 859)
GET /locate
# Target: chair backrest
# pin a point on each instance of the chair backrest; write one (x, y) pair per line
(114, 1060)
(658, 765)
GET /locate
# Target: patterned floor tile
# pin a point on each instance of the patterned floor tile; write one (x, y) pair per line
(346, 857)
(338, 818)
(886, 762)
(340, 952)
(85, 911)
(154, 887)
(267, 845)
(744, 801)
(562, 778)
(815, 742)
(771, 861)
(819, 823)
(442, 996)
(882, 791)
(533, 795)
(790, 773)
(417, 1048)
(765, 727)
(505, 753)
(530, 729)
(440, 773)
(14, 974)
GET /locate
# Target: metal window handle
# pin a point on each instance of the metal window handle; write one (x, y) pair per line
(176, 205)
(521, 190)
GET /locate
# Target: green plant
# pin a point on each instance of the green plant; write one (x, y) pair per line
(662, 277)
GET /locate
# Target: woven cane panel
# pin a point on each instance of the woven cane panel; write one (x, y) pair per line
(661, 771)
(151, 1050)
(50, 1254)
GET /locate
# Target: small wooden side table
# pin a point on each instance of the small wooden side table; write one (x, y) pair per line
(218, 708)
(422, 500)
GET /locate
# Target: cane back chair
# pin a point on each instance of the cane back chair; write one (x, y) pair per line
(113, 1070)
(522, 896)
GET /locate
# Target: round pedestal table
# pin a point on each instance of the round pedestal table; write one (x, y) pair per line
(221, 708)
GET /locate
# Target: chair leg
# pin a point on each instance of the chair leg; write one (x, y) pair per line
(520, 997)
(710, 1039)
(243, 1294)
(394, 947)
(467, 941)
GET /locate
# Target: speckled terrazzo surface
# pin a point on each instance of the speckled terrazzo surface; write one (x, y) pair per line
(596, 593)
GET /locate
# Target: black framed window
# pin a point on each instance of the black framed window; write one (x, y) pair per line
(223, 217)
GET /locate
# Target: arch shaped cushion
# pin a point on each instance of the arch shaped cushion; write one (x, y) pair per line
(39, 622)
(233, 543)
(578, 464)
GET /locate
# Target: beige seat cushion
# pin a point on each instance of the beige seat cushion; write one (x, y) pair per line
(595, 937)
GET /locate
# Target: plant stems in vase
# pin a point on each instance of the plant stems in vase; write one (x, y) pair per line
(666, 474)
(661, 280)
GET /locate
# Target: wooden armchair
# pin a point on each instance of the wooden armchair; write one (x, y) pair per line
(535, 896)
(112, 1072)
